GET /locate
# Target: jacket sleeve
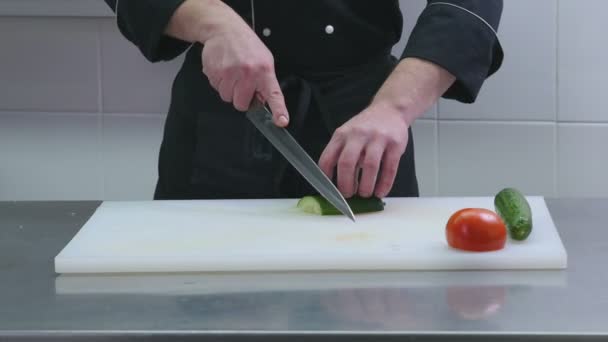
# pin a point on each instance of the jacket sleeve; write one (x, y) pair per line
(143, 23)
(461, 36)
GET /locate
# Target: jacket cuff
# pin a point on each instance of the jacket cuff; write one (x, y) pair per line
(144, 24)
(462, 42)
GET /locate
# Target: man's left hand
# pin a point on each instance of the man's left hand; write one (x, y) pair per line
(372, 142)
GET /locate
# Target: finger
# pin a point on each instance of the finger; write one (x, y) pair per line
(329, 157)
(370, 166)
(390, 166)
(212, 77)
(272, 93)
(214, 81)
(226, 86)
(243, 94)
(347, 165)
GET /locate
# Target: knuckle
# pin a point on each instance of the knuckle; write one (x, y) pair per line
(265, 67)
(210, 74)
(225, 96)
(341, 132)
(324, 162)
(369, 164)
(346, 163)
(228, 69)
(261, 66)
(240, 106)
(275, 94)
(394, 140)
(377, 134)
(392, 169)
(247, 69)
(360, 131)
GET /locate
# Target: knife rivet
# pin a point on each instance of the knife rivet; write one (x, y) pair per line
(266, 32)
(329, 29)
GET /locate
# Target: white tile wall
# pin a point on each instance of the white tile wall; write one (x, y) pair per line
(539, 124)
(48, 156)
(425, 152)
(123, 71)
(524, 89)
(583, 160)
(48, 64)
(130, 155)
(480, 158)
(583, 53)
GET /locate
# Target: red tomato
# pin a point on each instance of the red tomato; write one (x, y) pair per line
(477, 230)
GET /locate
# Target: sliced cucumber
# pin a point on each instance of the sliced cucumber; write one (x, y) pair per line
(318, 205)
(515, 210)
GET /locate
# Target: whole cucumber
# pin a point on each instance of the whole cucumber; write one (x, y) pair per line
(515, 211)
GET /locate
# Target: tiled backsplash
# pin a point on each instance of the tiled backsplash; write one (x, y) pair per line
(81, 111)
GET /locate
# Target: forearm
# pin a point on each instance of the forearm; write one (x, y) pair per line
(413, 87)
(197, 20)
(460, 36)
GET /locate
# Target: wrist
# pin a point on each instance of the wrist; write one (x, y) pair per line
(199, 20)
(212, 19)
(412, 88)
(400, 107)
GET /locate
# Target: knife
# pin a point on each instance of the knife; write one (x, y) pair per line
(280, 138)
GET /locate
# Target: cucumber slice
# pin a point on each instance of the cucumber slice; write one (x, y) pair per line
(318, 205)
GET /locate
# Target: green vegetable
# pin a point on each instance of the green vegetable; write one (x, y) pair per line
(316, 204)
(515, 211)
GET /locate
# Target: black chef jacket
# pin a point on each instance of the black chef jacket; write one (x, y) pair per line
(331, 57)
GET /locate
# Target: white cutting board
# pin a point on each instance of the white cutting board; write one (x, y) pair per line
(273, 235)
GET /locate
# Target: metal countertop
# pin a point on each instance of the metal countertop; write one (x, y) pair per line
(37, 304)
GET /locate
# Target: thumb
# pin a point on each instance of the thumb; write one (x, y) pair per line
(272, 93)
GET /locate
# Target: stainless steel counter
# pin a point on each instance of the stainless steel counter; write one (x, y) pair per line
(36, 304)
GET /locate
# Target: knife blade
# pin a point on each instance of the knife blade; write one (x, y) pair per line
(279, 137)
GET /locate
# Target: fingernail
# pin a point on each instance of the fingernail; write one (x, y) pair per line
(283, 121)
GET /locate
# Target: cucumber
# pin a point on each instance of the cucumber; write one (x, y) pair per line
(317, 204)
(515, 211)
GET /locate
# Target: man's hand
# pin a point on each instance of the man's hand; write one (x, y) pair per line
(236, 62)
(374, 140)
(239, 66)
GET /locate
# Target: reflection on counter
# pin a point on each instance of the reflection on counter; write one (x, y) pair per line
(476, 302)
(302, 300)
(210, 283)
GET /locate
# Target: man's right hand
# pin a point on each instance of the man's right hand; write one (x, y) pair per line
(239, 66)
(236, 62)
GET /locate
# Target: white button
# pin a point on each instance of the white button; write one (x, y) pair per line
(266, 32)
(329, 29)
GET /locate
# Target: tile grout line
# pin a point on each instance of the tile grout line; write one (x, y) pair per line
(556, 172)
(523, 122)
(100, 123)
(94, 113)
(450, 121)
